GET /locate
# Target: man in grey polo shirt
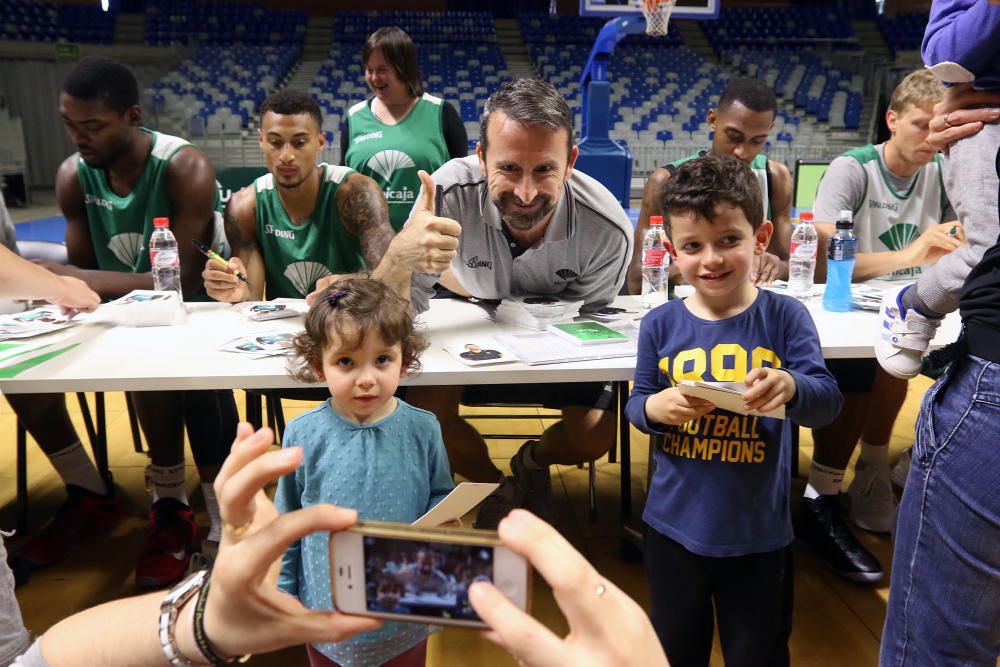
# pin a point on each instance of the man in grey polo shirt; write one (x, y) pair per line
(515, 219)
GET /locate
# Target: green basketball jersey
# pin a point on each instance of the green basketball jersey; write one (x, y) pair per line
(296, 256)
(759, 168)
(120, 227)
(392, 154)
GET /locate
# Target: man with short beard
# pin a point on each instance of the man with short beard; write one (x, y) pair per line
(516, 219)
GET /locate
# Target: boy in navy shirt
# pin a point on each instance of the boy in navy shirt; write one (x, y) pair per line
(718, 521)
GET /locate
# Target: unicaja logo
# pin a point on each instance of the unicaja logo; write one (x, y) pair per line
(404, 196)
(386, 163)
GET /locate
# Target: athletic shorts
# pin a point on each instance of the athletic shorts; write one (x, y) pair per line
(854, 376)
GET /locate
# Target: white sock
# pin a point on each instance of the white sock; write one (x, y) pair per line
(168, 482)
(875, 455)
(75, 467)
(823, 481)
(212, 507)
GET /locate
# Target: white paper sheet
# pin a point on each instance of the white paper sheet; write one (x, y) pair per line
(456, 504)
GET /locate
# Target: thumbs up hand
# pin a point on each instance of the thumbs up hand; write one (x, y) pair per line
(427, 243)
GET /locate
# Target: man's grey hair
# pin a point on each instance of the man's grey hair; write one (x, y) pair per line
(532, 103)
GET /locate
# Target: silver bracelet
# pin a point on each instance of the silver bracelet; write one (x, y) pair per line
(170, 609)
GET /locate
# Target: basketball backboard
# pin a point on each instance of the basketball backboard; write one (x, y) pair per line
(684, 9)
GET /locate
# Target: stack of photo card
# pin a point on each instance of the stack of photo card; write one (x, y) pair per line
(538, 311)
(866, 297)
(725, 395)
(261, 344)
(260, 311)
(34, 322)
(142, 308)
(481, 353)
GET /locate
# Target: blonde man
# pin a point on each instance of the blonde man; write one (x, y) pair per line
(901, 216)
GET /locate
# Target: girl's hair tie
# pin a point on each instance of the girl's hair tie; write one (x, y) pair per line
(334, 297)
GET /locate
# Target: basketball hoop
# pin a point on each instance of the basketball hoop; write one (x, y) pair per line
(657, 13)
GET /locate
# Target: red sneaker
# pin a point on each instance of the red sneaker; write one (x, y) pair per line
(82, 515)
(172, 539)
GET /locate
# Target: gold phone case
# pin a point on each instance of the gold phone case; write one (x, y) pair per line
(463, 536)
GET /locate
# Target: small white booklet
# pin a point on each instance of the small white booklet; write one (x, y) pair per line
(480, 353)
(456, 504)
(545, 347)
(726, 395)
(261, 344)
(142, 308)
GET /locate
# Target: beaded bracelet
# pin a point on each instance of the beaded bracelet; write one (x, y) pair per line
(201, 639)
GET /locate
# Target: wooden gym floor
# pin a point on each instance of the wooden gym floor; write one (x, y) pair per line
(836, 623)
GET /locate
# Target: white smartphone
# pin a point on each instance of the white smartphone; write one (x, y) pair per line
(396, 571)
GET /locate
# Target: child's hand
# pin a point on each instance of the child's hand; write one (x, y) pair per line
(769, 389)
(673, 408)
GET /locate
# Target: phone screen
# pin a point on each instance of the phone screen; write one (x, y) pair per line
(420, 578)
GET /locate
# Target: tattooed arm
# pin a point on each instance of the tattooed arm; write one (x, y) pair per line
(241, 231)
(365, 215)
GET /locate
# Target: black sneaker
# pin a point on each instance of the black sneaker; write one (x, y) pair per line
(821, 527)
(537, 485)
(498, 504)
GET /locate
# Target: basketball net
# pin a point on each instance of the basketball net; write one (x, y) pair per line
(657, 13)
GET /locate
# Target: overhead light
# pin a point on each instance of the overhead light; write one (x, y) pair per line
(104, 4)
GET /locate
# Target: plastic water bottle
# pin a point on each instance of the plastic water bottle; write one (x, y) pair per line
(802, 258)
(164, 257)
(840, 258)
(655, 264)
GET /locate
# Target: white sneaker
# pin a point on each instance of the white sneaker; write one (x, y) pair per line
(873, 505)
(902, 468)
(903, 336)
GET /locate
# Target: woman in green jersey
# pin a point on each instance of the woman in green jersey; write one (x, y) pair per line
(400, 129)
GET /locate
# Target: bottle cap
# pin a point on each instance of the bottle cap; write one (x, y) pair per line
(161, 222)
(806, 216)
(656, 221)
(846, 220)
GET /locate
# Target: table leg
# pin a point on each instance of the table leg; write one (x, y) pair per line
(626, 454)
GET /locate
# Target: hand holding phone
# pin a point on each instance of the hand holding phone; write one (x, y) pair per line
(423, 575)
(606, 626)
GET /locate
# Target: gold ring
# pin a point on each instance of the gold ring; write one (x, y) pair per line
(236, 531)
(947, 123)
